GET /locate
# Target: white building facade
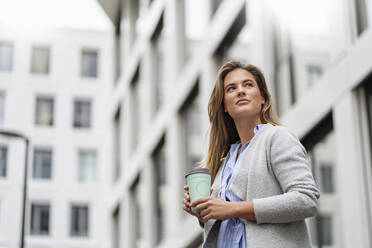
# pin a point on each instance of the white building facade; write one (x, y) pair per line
(320, 79)
(54, 84)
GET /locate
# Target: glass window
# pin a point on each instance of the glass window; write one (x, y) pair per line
(158, 55)
(79, 221)
(3, 161)
(40, 60)
(116, 231)
(2, 108)
(313, 75)
(215, 5)
(40, 214)
(42, 163)
(326, 172)
(321, 230)
(321, 144)
(44, 111)
(194, 27)
(191, 118)
(87, 168)
(6, 56)
(159, 161)
(117, 144)
(82, 113)
(89, 64)
(136, 213)
(363, 15)
(135, 102)
(299, 40)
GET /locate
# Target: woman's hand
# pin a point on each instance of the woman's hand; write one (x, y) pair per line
(213, 208)
(187, 205)
(186, 201)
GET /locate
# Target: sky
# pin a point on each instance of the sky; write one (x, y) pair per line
(76, 14)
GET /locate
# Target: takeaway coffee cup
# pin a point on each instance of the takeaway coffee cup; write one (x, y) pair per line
(199, 182)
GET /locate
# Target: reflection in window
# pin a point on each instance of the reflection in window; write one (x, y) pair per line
(44, 111)
(79, 221)
(3, 160)
(194, 27)
(89, 64)
(42, 164)
(160, 187)
(40, 214)
(40, 60)
(87, 170)
(320, 144)
(82, 113)
(6, 56)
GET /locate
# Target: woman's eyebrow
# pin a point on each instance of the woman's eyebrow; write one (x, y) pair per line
(243, 81)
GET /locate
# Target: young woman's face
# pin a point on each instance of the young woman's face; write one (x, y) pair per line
(242, 97)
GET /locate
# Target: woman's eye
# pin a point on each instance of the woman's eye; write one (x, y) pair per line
(230, 89)
(249, 85)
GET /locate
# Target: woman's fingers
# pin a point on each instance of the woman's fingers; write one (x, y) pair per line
(199, 201)
(186, 187)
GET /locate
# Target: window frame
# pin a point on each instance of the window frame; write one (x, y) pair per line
(42, 149)
(52, 118)
(41, 47)
(88, 217)
(39, 233)
(10, 44)
(90, 51)
(74, 120)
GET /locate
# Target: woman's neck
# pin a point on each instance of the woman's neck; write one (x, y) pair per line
(245, 129)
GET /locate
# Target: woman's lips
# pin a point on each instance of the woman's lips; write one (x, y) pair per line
(242, 101)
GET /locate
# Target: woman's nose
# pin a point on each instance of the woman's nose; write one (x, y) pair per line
(241, 91)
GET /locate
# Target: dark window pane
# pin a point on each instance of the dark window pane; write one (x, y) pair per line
(3, 161)
(79, 221)
(44, 111)
(40, 219)
(82, 113)
(327, 178)
(6, 57)
(40, 60)
(89, 64)
(42, 164)
(313, 75)
(2, 108)
(87, 166)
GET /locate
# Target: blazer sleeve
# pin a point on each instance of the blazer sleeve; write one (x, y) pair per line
(287, 158)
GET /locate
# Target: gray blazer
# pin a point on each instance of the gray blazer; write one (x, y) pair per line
(275, 174)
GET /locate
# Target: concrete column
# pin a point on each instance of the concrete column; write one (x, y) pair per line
(349, 174)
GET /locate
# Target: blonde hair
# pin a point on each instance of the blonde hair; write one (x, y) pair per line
(223, 131)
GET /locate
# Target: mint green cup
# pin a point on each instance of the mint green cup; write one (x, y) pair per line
(199, 182)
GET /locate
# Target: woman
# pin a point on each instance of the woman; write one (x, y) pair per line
(262, 185)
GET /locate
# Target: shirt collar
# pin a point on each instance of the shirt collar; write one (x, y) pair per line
(255, 130)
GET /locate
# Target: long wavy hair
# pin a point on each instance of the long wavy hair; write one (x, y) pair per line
(223, 131)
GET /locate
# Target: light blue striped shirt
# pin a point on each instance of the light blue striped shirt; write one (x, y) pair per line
(232, 231)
